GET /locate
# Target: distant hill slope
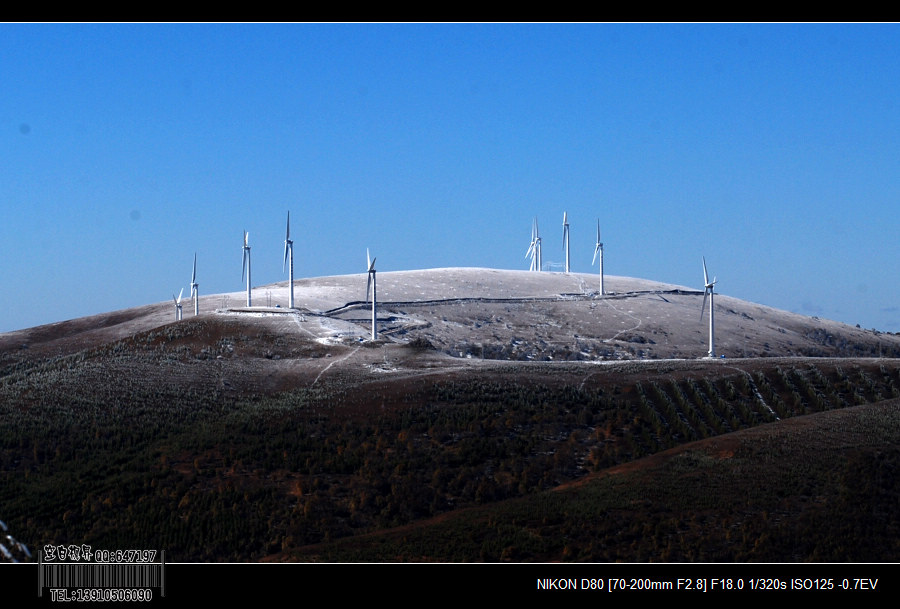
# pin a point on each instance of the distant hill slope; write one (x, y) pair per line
(499, 314)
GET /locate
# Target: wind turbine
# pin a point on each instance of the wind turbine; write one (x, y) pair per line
(534, 250)
(178, 305)
(371, 283)
(566, 238)
(598, 251)
(245, 270)
(195, 292)
(708, 290)
(289, 247)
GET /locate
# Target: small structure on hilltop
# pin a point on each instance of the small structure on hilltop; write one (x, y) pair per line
(245, 269)
(708, 291)
(370, 282)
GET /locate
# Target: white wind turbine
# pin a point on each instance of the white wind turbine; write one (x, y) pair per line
(708, 291)
(195, 288)
(371, 283)
(245, 270)
(289, 247)
(178, 305)
(534, 249)
(598, 252)
(531, 251)
(566, 238)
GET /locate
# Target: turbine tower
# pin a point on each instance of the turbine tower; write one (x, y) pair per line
(289, 247)
(178, 305)
(708, 290)
(246, 267)
(195, 292)
(598, 252)
(537, 240)
(371, 283)
(566, 238)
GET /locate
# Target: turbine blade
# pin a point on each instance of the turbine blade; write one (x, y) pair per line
(703, 306)
(368, 286)
(244, 266)
(284, 264)
(179, 296)
(705, 274)
(287, 234)
(368, 260)
(194, 272)
(596, 251)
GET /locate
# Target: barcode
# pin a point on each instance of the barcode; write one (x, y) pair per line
(87, 575)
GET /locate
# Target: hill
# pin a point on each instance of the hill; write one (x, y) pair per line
(500, 314)
(268, 434)
(713, 500)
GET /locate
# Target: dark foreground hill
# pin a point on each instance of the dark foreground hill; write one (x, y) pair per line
(273, 435)
(820, 488)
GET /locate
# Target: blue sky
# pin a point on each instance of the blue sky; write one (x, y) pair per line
(773, 150)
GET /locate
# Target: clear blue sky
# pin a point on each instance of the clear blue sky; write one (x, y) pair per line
(773, 150)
